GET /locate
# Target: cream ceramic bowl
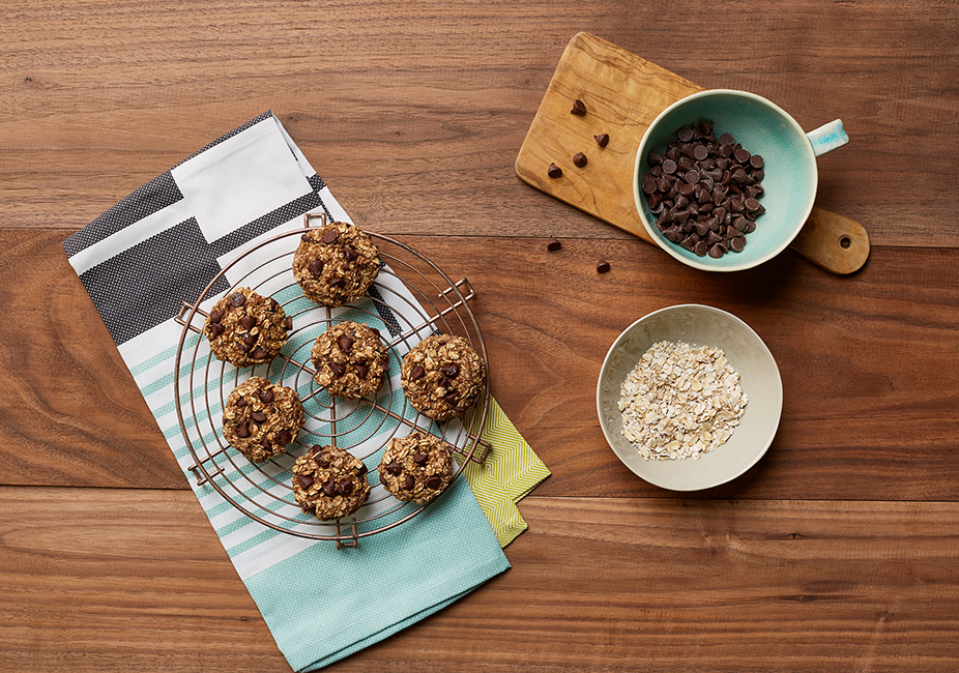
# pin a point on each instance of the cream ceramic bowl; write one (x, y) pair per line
(697, 325)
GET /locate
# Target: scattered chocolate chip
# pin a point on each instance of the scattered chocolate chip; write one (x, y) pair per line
(579, 107)
(216, 316)
(434, 481)
(240, 403)
(685, 134)
(602, 266)
(726, 139)
(351, 255)
(329, 488)
(554, 171)
(580, 159)
(419, 458)
(338, 369)
(602, 139)
(305, 481)
(316, 267)
(336, 281)
(249, 340)
(344, 487)
(216, 329)
(274, 304)
(289, 323)
(258, 416)
(451, 370)
(741, 155)
(305, 237)
(243, 430)
(394, 468)
(284, 437)
(237, 300)
(247, 321)
(450, 398)
(330, 236)
(345, 343)
(553, 244)
(266, 396)
(410, 482)
(259, 354)
(752, 205)
(737, 243)
(361, 470)
(417, 373)
(756, 161)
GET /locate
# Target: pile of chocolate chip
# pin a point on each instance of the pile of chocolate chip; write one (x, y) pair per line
(704, 191)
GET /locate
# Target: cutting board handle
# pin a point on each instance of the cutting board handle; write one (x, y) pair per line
(836, 243)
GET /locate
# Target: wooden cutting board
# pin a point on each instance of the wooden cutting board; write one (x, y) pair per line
(623, 93)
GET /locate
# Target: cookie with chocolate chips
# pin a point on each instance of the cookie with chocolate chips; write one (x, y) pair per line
(350, 360)
(416, 468)
(443, 376)
(336, 264)
(245, 328)
(261, 418)
(330, 483)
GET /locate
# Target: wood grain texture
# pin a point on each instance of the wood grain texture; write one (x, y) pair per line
(414, 112)
(867, 361)
(138, 581)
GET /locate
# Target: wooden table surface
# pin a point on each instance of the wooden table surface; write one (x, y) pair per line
(838, 552)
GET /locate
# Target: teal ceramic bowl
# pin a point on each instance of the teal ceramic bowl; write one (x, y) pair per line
(762, 128)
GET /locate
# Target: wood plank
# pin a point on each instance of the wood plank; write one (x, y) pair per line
(416, 116)
(597, 584)
(867, 362)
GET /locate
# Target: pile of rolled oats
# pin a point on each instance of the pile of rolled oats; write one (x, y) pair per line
(681, 402)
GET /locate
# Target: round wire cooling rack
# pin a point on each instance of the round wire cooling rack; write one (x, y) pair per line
(411, 298)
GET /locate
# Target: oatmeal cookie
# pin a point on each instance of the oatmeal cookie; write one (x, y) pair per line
(416, 468)
(261, 418)
(329, 482)
(246, 329)
(336, 264)
(350, 360)
(442, 376)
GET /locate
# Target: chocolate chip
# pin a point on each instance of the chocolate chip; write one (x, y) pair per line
(266, 396)
(650, 185)
(258, 416)
(336, 281)
(344, 487)
(434, 481)
(756, 161)
(305, 237)
(248, 321)
(737, 243)
(259, 354)
(345, 343)
(216, 316)
(338, 369)
(451, 370)
(579, 159)
(553, 244)
(685, 134)
(289, 323)
(752, 205)
(361, 470)
(351, 255)
(410, 482)
(361, 370)
(394, 468)
(602, 139)
(249, 340)
(700, 152)
(284, 437)
(316, 267)
(305, 481)
(554, 171)
(692, 177)
(419, 458)
(741, 155)
(669, 167)
(329, 488)
(417, 373)
(240, 403)
(450, 398)
(243, 430)
(330, 236)
(579, 108)
(237, 300)
(216, 329)
(726, 139)
(602, 266)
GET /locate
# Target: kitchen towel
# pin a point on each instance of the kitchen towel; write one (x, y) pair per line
(164, 243)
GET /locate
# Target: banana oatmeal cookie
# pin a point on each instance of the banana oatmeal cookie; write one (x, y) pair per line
(330, 483)
(350, 360)
(246, 329)
(442, 376)
(336, 264)
(261, 418)
(416, 468)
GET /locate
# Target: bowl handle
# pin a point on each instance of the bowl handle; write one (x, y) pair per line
(828, 137)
